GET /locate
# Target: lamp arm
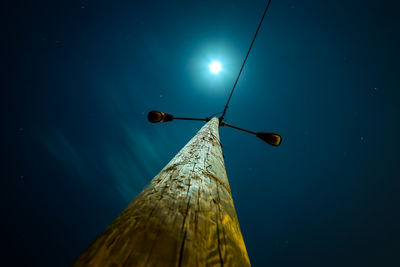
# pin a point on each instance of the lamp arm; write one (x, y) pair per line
(191, 119)
(238, 128)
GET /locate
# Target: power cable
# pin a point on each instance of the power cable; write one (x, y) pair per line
(245, 59)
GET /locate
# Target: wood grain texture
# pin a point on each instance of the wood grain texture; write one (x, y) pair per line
(184, 217)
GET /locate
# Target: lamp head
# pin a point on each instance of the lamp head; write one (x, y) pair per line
(273, 139)
(158, 116)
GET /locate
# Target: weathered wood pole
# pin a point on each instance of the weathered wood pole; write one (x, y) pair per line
(184, 217)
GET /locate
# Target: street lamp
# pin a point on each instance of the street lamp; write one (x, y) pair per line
(158, 116)
(272, 139)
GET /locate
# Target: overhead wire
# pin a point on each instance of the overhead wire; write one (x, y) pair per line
(245, 59)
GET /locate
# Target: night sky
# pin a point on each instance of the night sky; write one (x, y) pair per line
(78, 78)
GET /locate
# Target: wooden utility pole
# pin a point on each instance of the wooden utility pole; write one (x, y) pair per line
(184, 217)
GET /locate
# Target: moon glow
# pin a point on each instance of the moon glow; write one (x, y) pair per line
(215, 67)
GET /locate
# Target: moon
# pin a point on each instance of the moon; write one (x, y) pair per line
(215, 67)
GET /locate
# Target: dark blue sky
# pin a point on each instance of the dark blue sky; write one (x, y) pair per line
(80, 77)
